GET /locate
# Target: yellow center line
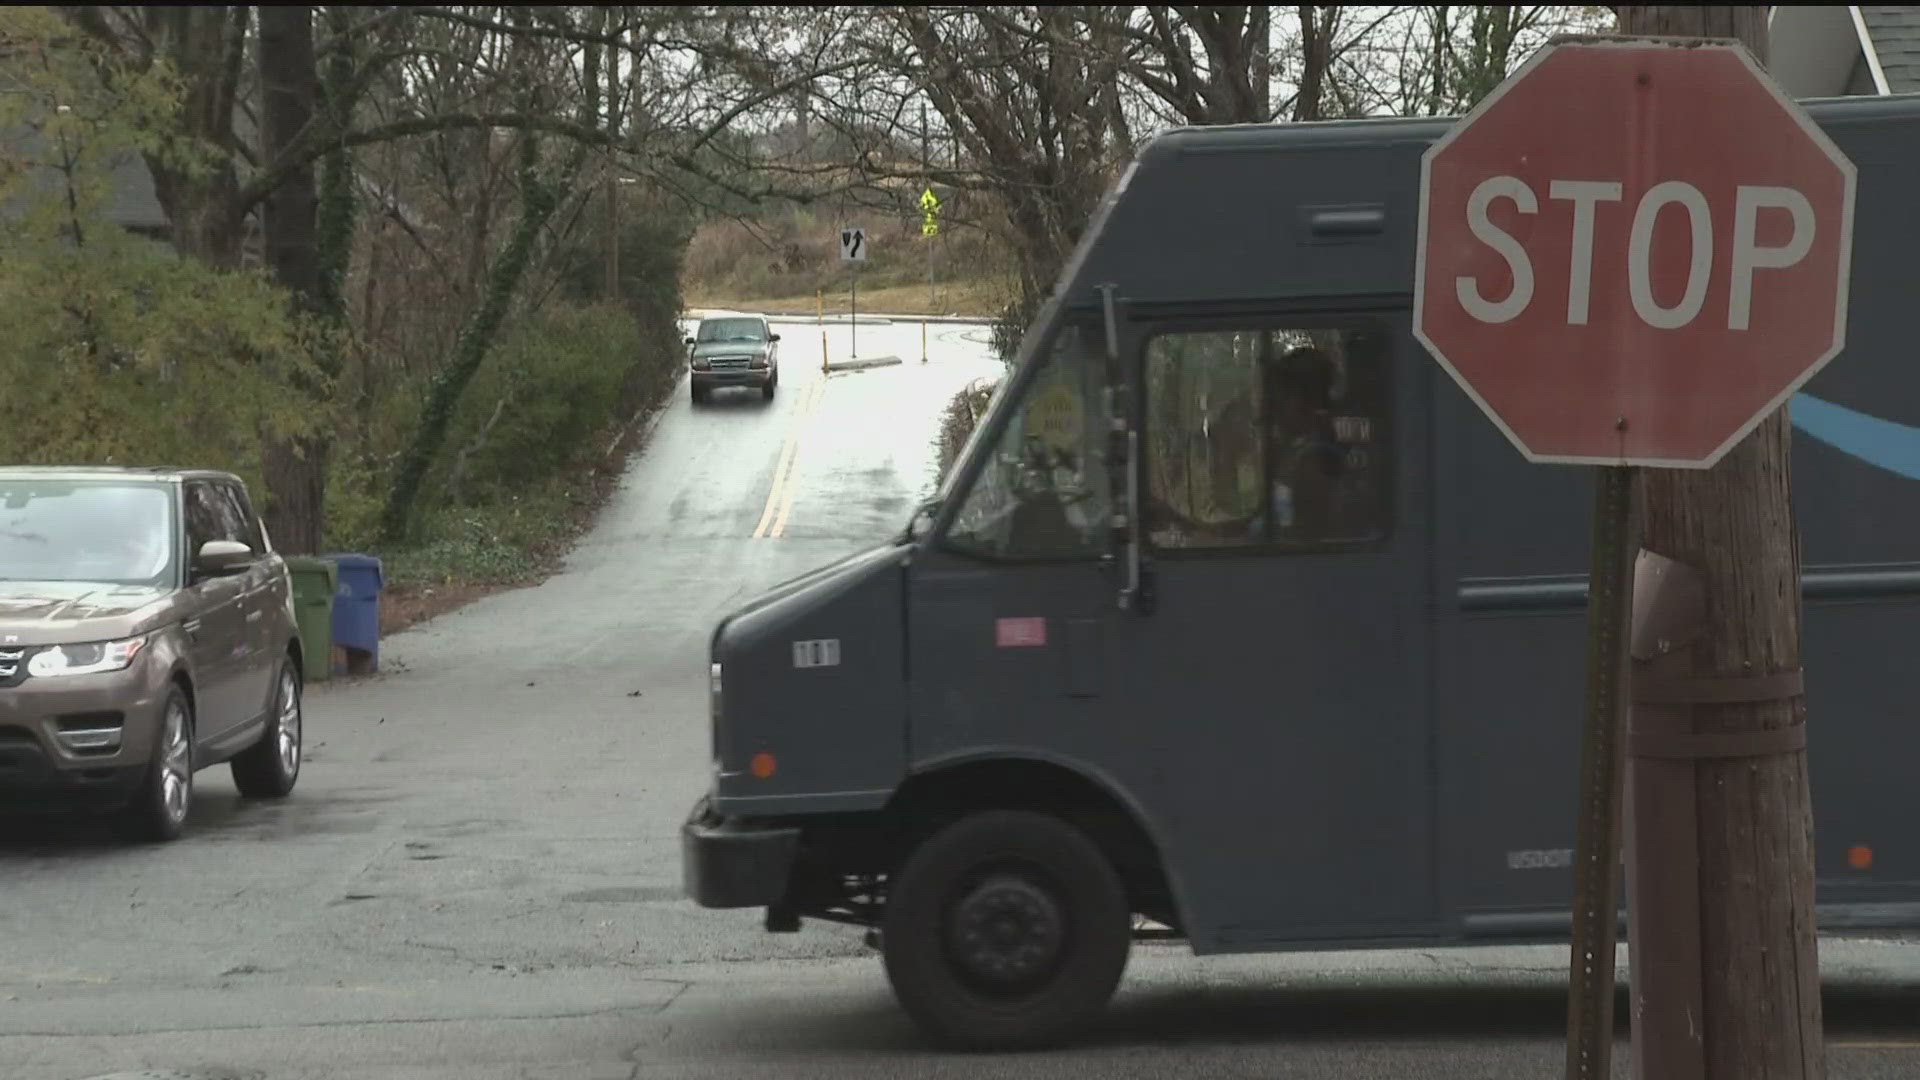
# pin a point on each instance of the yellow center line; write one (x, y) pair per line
(779, 479)
(783, 472)
(786, 504)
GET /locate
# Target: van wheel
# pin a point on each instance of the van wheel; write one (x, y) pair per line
(268, 768)
(158, 811)
(1005, 930)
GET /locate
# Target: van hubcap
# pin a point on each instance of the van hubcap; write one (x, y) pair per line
(1007, 933)
(176, 764)
(289, 737)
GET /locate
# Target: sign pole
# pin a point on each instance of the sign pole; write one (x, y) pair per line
(1596, 866)
(1720, 871)
(853, 320)
(820, 320)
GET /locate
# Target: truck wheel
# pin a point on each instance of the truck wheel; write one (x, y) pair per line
(699, 394)
(1005, 930)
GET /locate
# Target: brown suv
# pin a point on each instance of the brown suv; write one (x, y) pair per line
(146, 631)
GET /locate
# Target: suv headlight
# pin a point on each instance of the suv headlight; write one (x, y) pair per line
(90, 659)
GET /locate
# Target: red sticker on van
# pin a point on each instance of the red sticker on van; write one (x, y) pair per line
(1020, 633)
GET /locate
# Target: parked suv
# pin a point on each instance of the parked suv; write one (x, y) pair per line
(146, 631)
(734, 350)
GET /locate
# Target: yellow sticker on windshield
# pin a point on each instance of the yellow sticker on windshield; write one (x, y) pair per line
(1055, 416)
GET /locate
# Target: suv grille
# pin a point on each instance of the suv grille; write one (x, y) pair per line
(13, 667)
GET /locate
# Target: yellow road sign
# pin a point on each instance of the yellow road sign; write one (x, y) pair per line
(929, 202)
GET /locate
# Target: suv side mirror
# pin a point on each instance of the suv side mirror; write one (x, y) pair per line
(773, 337)
(219, 558)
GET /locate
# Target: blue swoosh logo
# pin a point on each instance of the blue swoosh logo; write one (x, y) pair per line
(1891, 446)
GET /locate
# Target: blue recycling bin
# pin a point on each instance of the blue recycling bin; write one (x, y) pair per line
(356, 615)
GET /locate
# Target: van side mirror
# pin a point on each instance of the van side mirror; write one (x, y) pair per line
(220, 558)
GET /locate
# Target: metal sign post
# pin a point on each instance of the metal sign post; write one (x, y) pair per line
(853, 251)
(1596, 858)
(929, 228)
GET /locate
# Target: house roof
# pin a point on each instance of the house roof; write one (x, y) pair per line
(1894, 33)
(1821, 51)
(132, 202)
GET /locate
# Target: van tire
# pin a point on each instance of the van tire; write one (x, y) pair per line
(1036, 879)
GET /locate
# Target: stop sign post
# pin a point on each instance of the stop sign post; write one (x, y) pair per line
(1630, 254)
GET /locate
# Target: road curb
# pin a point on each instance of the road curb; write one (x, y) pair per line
(876, 319)
(834, 320)
(861, 363)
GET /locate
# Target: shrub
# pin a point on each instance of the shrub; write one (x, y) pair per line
(957, 424)
(119, 353)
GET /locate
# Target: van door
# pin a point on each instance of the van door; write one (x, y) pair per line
(1287, 538)
(1009, 610)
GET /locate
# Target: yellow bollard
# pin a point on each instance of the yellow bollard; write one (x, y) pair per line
(923, 341)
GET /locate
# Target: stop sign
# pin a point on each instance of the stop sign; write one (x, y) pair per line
(1631, 253)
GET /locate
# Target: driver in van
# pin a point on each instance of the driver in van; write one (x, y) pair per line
(1304, 460)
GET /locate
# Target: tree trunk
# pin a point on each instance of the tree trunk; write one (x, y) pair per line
(1260, 74)
(193, 171)
(469, 352)
(295, 467)
(540, 196)
(1316, 48)
(1759, 969)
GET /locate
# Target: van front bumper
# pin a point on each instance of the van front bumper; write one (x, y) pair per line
(728, 863)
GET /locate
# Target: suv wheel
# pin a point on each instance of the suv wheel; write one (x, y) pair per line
(159, 809)
(268, 768)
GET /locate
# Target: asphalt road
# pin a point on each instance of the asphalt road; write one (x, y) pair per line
(478, 876)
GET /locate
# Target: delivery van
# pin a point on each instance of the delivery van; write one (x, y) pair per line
(1237, 621)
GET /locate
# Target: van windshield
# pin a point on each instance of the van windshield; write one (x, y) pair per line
(733, 330)
(94, 531)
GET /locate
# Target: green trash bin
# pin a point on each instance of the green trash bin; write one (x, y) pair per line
(313, 583)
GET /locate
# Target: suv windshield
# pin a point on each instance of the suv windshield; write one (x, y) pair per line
(95, 531)
(733, 330)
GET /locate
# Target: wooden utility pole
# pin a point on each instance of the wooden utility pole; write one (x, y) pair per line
(1746, 869)
(613, 181)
